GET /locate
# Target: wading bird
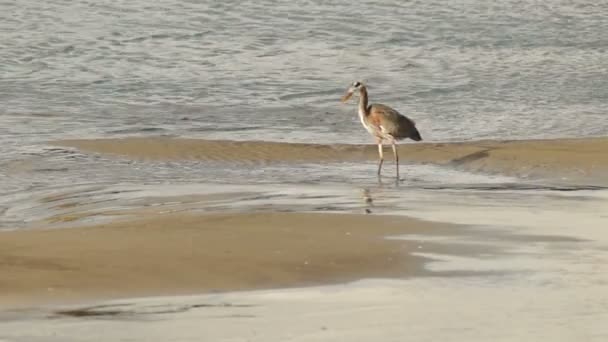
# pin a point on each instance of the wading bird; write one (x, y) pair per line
(383, 122)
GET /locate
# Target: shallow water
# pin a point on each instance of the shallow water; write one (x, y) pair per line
(275, 71)
(517, 69)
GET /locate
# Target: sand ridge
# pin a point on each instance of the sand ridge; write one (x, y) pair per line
(580, 159)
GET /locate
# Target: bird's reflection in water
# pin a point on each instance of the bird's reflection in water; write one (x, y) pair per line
(372, 194)
(368, 200)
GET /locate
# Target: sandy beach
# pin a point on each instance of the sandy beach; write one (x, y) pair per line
(574, 159)
(525, 272)
(176, 254)
(235, 251)
(250, 256)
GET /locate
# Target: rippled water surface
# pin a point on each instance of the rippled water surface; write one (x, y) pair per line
(274, 70)
(271, 70)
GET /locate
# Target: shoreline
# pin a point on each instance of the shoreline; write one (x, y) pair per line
(581, 159)
(156, 254)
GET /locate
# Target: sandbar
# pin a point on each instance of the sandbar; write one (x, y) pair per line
(575, 159)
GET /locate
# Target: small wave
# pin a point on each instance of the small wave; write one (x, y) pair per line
(137, 130)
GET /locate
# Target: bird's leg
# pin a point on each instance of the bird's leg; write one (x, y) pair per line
(381, 155)
(396, 158)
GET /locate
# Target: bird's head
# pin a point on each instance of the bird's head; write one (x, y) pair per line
(351, 90)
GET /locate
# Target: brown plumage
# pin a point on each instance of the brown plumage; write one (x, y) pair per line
(383, 122)
(394, 124)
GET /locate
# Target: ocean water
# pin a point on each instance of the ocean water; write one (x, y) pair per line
(275, 70)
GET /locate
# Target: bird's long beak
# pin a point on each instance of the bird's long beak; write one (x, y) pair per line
(347, 96)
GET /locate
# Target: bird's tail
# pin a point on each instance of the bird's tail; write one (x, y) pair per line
(415, 135)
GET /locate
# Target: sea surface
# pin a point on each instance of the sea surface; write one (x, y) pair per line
(275, 70)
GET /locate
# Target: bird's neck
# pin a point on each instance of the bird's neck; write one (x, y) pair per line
(363, 100)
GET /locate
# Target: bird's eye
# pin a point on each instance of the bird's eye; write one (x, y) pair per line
(356, 84)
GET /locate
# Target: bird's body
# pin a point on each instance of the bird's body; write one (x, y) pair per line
(383, 122)
(386, 123)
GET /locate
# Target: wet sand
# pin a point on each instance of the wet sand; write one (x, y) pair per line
(543, 277)
(576, 159)
(534, 259)
(187, 253)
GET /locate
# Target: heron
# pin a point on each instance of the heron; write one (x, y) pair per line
(382, 122)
